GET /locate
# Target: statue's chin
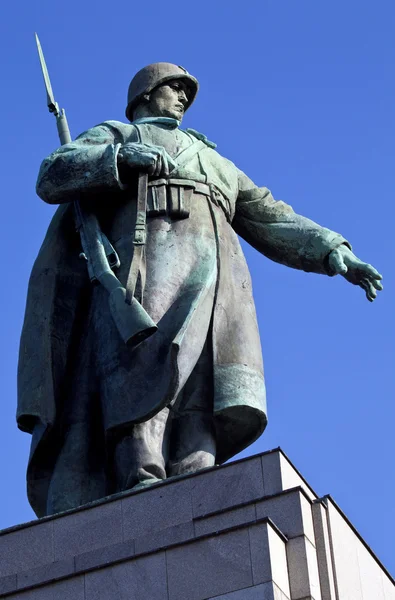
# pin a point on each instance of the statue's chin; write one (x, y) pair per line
(173, 114)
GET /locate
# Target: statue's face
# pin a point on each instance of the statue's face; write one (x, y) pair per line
(169, 100)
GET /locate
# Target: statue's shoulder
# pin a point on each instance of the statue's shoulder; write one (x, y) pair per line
(201, 137)
(214, 154)
(120, 132)
(118, 126)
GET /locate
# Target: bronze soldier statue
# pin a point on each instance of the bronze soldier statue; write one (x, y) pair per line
(108, 414)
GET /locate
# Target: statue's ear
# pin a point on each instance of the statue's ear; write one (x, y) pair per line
(146, 98)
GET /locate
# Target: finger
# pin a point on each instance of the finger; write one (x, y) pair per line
(371, 293)
(149, 161)
(370, 290)
(172, 164)
(337, 263)
(158, 162)
(370, 271)
(377, 284)
(367, 294)
(164, 164)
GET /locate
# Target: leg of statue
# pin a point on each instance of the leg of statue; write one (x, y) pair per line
(193, 444)
(140, 456)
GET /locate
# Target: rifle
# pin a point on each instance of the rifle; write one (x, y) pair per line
(132, 321)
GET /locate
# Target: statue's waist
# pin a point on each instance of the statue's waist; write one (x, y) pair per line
(173, 197)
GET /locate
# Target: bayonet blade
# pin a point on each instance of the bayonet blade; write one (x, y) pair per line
(52, 105)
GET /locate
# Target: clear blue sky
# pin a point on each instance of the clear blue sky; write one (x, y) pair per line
(301, 96)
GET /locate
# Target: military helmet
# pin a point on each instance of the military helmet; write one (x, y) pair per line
(148, 78)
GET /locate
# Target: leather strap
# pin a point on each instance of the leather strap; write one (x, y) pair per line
(188, 153)
(199, 188)
(137, 264)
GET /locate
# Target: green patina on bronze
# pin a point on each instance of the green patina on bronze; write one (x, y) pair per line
(106, 415)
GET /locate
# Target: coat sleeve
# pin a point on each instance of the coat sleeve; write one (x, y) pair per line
(275, 230)
(85, 167)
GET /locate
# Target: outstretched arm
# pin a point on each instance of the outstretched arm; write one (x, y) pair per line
(273, 228)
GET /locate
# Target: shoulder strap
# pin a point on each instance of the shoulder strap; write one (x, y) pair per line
(201, 136)
(189, 152)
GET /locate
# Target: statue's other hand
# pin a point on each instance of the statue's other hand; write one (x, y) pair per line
(343, 261)
(149, 158)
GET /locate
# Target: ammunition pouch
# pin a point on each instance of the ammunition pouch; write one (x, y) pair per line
(173, 197)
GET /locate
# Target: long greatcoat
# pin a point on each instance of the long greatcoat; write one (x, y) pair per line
(198, 285)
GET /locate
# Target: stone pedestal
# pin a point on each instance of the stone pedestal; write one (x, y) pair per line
(249, 530)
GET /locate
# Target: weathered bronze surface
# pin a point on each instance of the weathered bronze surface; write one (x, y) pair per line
(110, 412)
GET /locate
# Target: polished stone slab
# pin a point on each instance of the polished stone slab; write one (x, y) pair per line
(248, 530)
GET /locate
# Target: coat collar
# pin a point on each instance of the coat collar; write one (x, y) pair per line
(168, 121)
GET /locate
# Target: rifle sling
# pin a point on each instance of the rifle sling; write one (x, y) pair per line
(185, 155)
(137, 264)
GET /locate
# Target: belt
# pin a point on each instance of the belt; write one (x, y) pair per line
(173, 196)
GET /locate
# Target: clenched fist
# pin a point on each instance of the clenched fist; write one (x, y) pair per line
(154, 160)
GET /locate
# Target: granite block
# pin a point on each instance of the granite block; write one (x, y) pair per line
(209, 567)
(279, 475)
(291, 478)
(226, 487)
(371, 582)
(156, 509)
(140, 579)
(303, 569)
(88, 529)
(325, 568)
(265, 591)
(159, 539)
(388, 587)
(307, 518)
(278, 554)
(44, 593)
(7, 584)
(104, 556)
(70, 589)
(226, 519)
(268, 557)
(291, 512)
(271, 469)
(45, 573)
(358, 573)
(26, 548)
(345, 558)
(261, 559)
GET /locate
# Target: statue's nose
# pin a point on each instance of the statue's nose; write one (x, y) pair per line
(182, 96)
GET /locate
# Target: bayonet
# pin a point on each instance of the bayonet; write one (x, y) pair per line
(61, 120)
(52, 105)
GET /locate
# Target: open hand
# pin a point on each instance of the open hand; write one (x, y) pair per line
(343, 261)
(154, 160)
